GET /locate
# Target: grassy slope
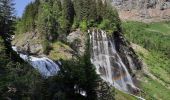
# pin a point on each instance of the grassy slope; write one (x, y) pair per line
(123, 96)
(60, 51)
(154, 37)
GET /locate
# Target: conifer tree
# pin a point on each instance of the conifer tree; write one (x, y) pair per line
(68, 14)
(93, 10)
(7, 20)
(100, 8)
(77, 7)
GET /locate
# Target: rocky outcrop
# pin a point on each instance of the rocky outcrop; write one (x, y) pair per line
(77, 40)
(143, 10)
(127, 53)
(30, 42)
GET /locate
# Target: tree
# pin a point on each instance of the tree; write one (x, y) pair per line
(67, 14)
(30, 16)
(77, 7)
(100, 7)
(91, 76)
(49, 18)
(7, 20)
(85, 9)
(92, 10)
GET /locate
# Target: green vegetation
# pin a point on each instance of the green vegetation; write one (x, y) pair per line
(54, 18)
(155, 38)
(59, 51)
(119, 95)
(17, 79)
(154, 90)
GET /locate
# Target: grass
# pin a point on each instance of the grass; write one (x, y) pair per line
(154, 90)
(140, 33)
(159, 67)
(162, 27)
(123, 96)
(155, 39)
(60, 51)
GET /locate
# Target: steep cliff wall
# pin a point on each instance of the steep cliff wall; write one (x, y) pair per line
(143, 10)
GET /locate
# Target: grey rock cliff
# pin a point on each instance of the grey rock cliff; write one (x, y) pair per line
(144, 10)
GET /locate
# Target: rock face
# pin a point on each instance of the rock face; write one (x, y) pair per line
(143, 10)
(77, 40)
(29, 42)
(126, 52)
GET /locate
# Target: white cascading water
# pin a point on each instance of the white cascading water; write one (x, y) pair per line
(108, 62)
(44, 65)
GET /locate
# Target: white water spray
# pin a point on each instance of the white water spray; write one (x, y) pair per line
(44, 65)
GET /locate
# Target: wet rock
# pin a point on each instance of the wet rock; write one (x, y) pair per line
(127, 53)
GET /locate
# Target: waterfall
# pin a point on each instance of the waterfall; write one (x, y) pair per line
(108, 63)
(44, 65)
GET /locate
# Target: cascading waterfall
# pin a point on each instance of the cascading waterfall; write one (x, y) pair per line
(108, 62)
(44, 65)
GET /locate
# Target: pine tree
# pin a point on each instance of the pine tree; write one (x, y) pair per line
(68, 14)
(93, 10)
(100, 8)
(7, 20)
(91, 76)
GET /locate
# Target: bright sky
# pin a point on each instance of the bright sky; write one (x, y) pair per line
(20, 6)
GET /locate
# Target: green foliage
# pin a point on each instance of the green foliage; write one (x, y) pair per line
(96, 12)
(28, 21)
(100, 10)
(46, 46)
(7, 20)
(17, 79)
(104, 24)
(47, 19)
(153, 37)
(68, 14)
(144, 35)
(152, 89)
(83, 25)
(90, 72)
(76, 75)
(55, 19)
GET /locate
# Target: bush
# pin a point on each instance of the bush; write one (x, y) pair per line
(46, 46)
(104, 24)
(83, 25)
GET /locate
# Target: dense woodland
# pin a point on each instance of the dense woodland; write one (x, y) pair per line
(54, 19)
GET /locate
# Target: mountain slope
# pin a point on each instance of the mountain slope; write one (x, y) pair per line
(156, 70)
(143, 10)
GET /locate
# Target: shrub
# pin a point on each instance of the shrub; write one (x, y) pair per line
(83, 25)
